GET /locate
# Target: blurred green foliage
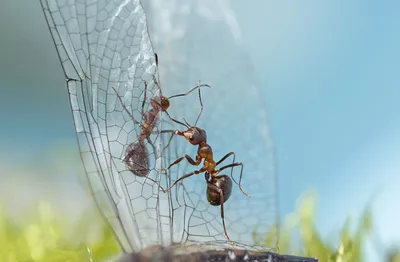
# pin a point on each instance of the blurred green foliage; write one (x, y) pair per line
(348, 247)
(43, 238)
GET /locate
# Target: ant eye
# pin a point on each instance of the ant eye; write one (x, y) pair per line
(191, 138)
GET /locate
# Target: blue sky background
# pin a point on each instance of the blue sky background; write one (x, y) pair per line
(330, 73)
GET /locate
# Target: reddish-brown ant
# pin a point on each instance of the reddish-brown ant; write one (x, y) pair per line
(136, 156)
(219, 187)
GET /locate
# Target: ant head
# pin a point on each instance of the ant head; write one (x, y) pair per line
(160, 102)
(195, 135)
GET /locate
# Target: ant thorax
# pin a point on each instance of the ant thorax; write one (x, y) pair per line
(205, 152)
(150, 116)
(149, 120)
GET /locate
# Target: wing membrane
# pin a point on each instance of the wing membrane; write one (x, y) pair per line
(234, 118)
(105, 44)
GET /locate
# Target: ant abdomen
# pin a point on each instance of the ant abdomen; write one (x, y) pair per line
(222, 182)
(137, 158)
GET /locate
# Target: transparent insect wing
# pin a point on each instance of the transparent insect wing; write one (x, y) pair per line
(234, 118)
(105, 44)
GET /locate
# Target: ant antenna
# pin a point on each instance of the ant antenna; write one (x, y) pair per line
(176, 121)
(187, 124)
(166, 112)
(201, 103)
(157, 79)
(126, 109)
(191, 90)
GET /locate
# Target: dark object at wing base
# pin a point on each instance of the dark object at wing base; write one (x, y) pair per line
(167, 255)
(136, 158)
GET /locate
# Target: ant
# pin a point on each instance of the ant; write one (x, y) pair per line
(136, 156)
(219, 187)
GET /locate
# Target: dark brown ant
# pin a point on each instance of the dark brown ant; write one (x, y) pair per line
(219, 187)
(136, 156)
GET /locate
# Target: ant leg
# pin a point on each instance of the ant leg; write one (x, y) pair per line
(240, 178)
(126, 110)
(152, 180)
(170, 138)
(219, 190)
(154, 148)
(201, 170)
(225, 157)
(144, 97)
(188, 158)
(154, 77)
(234, 157)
